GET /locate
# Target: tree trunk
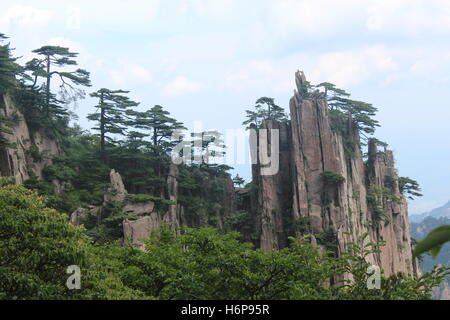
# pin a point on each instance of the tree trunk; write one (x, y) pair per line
(47, 89)
(102, 130)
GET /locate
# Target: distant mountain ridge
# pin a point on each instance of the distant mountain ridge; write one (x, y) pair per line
(443, 211)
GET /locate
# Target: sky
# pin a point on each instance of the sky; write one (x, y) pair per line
(210, 60)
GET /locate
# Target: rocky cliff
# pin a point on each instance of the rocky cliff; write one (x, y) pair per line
(299, 198)
(32, 151)
(324, 188)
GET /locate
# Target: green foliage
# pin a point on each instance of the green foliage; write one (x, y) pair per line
(332, 178)
(242, 222)
(433, 242)
(6, 125)
(160, 203)
(265, 109)
(202, 264)
(397, 287)
(9, 69)
(35, 154)
(4, 181)
(376, 195)
(238, 180)
(410, 187)
(52, 62)
(342, 108)
(106, 227)
(110, 116)
(37, 245)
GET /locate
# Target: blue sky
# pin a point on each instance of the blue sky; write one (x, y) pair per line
(210, 60)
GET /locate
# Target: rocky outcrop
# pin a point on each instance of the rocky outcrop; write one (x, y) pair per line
(134, 231)
(33, 150)
(175, 214)
(137, 231)
(82, 214)
(299, 198)
(116, 191)
(272, 201)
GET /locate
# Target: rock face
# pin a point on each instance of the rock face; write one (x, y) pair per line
(116, 191)
(298, 198)
(81, 214)
(33, 151)
(136, 231)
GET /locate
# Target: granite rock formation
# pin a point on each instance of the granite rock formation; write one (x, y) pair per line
(33, 150)
(297, 199)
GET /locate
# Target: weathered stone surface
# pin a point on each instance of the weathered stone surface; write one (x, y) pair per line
(81, 214)
(32, 152)
(272, 199)
(141, 208)
(116, 192)
(309, 147)
(136, 231)
(173, 216)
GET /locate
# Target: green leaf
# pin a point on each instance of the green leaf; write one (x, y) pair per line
(433, 242)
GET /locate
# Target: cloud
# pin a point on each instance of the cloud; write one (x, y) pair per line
(347, 68)
(130, 73)
(344, 68)
(312, 17)
(324, 17)
(180, 85)
(409, 16)
(207, 8)
(23, 16)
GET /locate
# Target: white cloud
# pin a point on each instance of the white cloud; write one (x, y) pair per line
(313, 17)
(23, 16)
(349, 68)
(344, 68)
(180, 85)
(325, 17)
(130, 73)
(409, 16)
(207, 8)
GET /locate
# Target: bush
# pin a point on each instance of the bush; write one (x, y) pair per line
(37, 245)
(332, 178)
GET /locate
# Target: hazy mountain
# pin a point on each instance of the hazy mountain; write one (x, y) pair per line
(443, 211)
(419, 230)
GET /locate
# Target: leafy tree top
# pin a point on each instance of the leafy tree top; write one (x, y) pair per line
(8, 66)
(238, 180)
(410, 187)
(111, 111)
(361, 113)
(158, 125)
(265, 109)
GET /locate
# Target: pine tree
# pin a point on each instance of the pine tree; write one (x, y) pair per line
(342, 107)
(207, 145)
(8, 71)
(238, 180)
(110, 115)
(8, 67)
(50, 62)
(159, 126)
(265, 109)
(410, 187)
